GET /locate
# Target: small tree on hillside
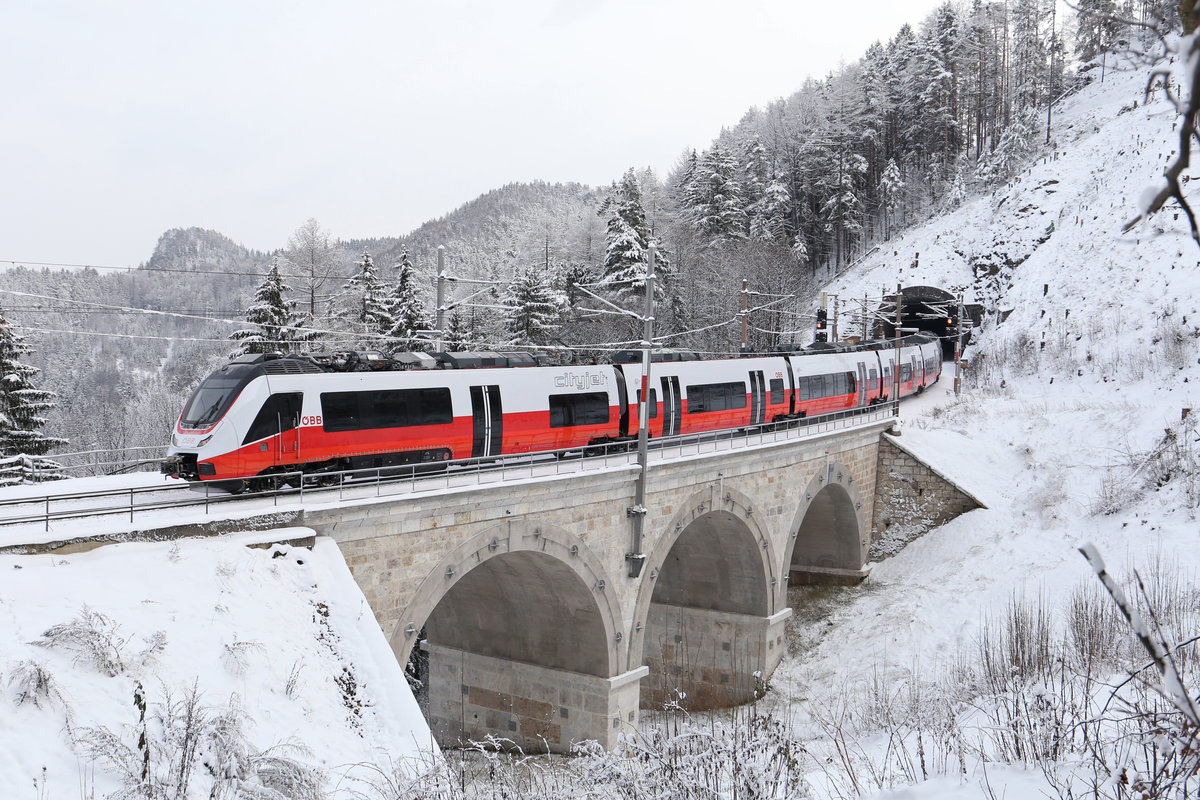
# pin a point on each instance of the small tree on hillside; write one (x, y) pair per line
(367, 303)
(406, 309)
(628, 242)
(273, 318)
(22, 406)
(533, 306)
(458, 332)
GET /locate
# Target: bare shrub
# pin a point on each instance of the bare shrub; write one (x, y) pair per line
(1153, 725)
(1093, 628)
(237, 655)
(183, 748)
(32, 683)
(93, 638)
(1174, 342)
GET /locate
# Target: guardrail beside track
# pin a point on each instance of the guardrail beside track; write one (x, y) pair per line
(362, 483)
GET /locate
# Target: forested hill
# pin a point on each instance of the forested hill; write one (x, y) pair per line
(950, 107)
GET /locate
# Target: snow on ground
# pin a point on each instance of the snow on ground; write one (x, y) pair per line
(281, 636)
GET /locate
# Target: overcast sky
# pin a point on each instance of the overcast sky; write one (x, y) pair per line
(120, 120)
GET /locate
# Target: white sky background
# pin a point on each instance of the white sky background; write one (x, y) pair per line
(120, 120)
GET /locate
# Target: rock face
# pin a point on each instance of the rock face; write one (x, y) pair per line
(911, 498)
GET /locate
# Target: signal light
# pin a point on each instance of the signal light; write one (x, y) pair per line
(821, 318)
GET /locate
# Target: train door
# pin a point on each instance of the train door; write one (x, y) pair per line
(288, 422)
(672, 406)
(487, 419)
(758, 398)
(862, 385)
(276, 430)
(791, 386)
(622, 402)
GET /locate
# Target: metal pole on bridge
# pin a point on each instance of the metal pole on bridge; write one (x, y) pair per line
(441, 297)
(635, 558)
(896, 365)
(958, 348)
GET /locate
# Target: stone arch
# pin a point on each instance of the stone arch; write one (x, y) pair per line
(515, 590)
(726, 564)
(828, 531)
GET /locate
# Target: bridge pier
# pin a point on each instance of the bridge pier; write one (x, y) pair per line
(707, 659)
(538, 709)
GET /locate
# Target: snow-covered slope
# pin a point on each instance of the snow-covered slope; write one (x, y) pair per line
(266, 663)
(1069, 426)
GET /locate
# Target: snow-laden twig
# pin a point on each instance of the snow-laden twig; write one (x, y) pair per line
(1163, 660)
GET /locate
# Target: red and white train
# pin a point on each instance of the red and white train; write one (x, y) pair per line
(270, 414)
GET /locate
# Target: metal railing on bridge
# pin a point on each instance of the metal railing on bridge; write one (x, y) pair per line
(340, 486)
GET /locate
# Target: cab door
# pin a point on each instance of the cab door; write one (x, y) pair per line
(288, 424)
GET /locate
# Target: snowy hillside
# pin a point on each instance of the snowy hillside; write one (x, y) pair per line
(203, 663)
(1069, 428)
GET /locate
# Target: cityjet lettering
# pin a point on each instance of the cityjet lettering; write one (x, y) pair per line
(580, 380)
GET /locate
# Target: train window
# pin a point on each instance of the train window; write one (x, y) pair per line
(905, 373)
(776, 390)
(280, 413)
(213, 397)
(873, 379)
(716, 397)
(653, 402)
(804, 386)
(567, 410)
(396, 408)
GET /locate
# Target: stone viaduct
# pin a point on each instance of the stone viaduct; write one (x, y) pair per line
(534, 627)
(537, 627)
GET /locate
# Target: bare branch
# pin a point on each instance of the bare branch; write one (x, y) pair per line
(1173, 187)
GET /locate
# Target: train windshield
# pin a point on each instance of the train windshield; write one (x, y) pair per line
(214, 396)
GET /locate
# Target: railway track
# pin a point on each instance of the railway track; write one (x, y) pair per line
(56, 515)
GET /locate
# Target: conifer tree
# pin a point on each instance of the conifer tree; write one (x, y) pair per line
(1095, 27)
(22, 410)
(406, 310)
(628, 241)
(768, 220)
(533, 308)
(458, 331)
(273, 318)
(367, 303)
(714, 199)
(890, 186)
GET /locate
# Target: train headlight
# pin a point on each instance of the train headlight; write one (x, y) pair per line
(204, 441)
(174, 440)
